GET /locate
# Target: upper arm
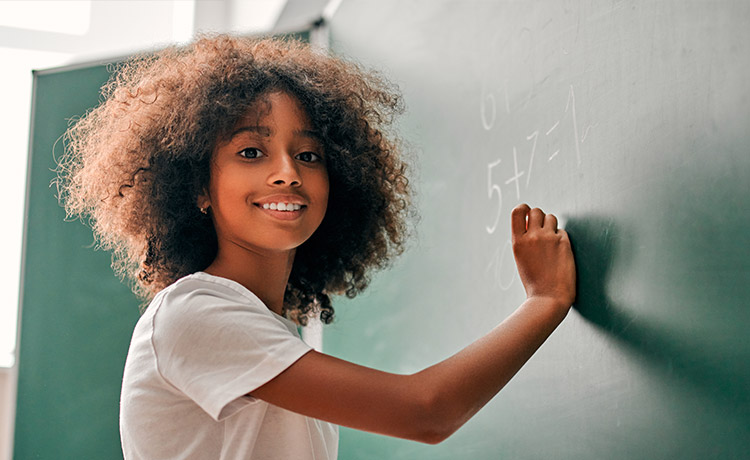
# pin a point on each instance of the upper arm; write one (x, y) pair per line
(340, 392)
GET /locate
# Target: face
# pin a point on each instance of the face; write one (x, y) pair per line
(268, 190)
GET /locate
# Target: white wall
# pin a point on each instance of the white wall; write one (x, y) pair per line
(7, 400)
(36, 34)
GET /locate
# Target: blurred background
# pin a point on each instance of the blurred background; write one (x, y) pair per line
(36, 34)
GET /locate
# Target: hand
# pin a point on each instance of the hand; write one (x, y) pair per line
(543, 255)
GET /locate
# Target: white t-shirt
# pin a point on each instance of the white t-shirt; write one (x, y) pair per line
(202, 345)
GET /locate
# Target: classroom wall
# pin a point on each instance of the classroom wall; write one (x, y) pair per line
(7, 403)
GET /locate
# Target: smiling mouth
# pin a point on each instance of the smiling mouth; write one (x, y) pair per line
(286, 207)
(282, 211)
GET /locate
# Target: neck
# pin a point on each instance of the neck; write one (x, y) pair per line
(266, 274)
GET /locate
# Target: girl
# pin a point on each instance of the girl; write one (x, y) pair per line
(240, 183)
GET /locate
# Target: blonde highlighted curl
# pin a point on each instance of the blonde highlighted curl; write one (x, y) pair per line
(134, 166)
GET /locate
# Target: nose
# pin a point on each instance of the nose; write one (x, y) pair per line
(285, 172)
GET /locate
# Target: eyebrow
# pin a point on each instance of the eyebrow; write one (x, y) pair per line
(265, 131)
(262, 130)
(308, 133)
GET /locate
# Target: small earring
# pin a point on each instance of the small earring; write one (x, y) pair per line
(204, 210)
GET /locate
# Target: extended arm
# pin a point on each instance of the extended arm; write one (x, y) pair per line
(431, 404)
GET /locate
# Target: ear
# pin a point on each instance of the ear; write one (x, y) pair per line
(204, 200)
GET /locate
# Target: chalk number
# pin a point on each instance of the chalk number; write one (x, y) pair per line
(492, 188)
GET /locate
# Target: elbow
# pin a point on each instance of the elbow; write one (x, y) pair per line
(437, 420)
(432, 435)
(435, 437)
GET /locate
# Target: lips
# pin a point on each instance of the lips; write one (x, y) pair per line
(283, 207)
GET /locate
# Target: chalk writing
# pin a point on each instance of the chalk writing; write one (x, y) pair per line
(517, 175)
(531, 136)
(550, 142)
(552, 128)
(493, 188)
(572, 104)
(502, 267)
(553, 136)
(488, 121)
(586, 132)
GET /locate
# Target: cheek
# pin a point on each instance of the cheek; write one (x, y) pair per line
(316, 184)
(225, 185)
(324, 191)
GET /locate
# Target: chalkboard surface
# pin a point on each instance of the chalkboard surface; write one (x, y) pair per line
(630, 120)
(76, 316)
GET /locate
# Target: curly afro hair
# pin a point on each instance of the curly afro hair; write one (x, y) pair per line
(134, 166)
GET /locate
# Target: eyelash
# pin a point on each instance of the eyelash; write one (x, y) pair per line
(317, 157)
(241, 153)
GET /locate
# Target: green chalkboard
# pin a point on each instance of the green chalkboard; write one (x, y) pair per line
(630, 120)
(76, 316)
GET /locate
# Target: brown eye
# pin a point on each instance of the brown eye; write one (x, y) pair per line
(250, 152)
(309, 157)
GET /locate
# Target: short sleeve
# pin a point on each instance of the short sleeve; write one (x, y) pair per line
(216, 345)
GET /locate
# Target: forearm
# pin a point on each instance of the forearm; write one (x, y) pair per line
(465, 382)
(427, 406)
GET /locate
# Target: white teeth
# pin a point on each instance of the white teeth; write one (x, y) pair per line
(282, 206)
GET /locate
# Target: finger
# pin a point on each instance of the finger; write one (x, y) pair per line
(536, 218)
(518, 219)
(550, 222)
(564, 237)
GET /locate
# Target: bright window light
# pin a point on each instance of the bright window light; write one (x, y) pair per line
(66, 17)
(183, 20)
(15, 119)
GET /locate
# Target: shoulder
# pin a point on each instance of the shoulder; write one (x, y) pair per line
(199, 288)
(201, 317)
(204, 299)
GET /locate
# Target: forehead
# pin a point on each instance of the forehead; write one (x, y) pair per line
(275, 108)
